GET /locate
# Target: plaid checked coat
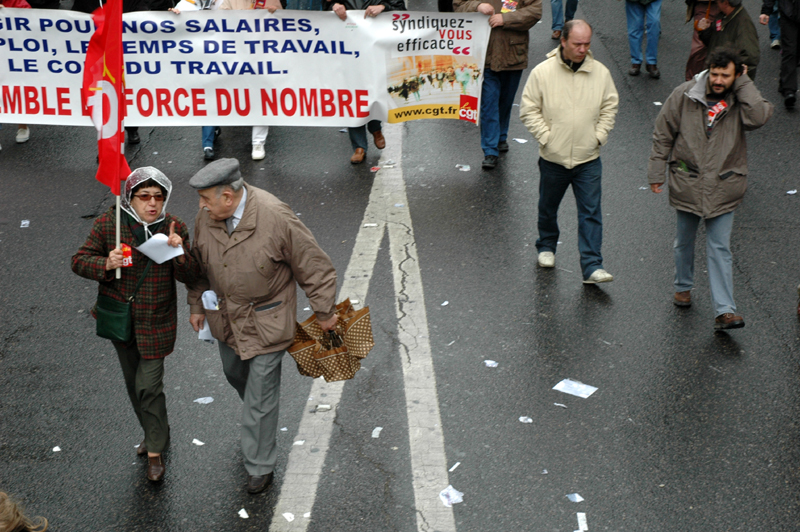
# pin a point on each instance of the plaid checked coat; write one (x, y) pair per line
(155, 308)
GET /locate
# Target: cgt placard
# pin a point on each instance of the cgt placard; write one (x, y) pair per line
(250, 67)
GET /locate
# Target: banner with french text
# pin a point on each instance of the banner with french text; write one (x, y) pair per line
(250, 67)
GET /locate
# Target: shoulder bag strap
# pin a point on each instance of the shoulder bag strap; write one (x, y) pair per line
(141, 280)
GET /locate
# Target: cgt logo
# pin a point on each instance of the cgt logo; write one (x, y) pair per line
(468, 109)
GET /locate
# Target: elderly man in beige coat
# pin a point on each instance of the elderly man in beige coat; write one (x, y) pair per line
(253, 251)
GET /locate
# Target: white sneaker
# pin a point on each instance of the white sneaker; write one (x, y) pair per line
(599, 276)
(258, 152)
(775, 44)
(23, 134)
(547, 259)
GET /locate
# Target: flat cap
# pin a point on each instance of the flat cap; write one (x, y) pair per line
(220, 172)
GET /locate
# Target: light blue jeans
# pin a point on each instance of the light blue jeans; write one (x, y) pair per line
(718, 252)
(558, 12)
(643, 18)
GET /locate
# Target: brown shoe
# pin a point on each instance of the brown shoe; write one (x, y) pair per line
(142, 449)
(683, 299)
(635, 69)
(653, 71)
(556, 35)
(728, 321)
(358, 156)
(155, 468)
(258, 483)
(380, 141)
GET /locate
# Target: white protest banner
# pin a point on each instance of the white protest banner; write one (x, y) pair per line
(250, 67)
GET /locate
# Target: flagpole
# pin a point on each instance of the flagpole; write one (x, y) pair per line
(119, 270)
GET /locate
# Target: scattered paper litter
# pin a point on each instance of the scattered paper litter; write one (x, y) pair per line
(399, 205)
(451, 496)
(516, 104)
(574, 497)
(643, 188)
(307, 308)
(343, 130)
(573, 387)
(525, 419)
(559, 404)
(490, 363)
(445, 303)
(657, 103)
(521, 141)
(354, 301)
(204, 400)
(307, 515)
(284, 429)
(463, 167)
(299, 442)
(155, 153)
(582, 526)
(451, 343)
(454, 467)
(243, 514)
(792, 192)
(56, 449)
(376, 432)
(25, 223)
(323, 408)
(370, 225)
(544, 471)
(374, 168)
(390, 161)
(289, 517)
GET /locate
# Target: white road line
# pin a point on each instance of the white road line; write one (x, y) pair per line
(304, 468)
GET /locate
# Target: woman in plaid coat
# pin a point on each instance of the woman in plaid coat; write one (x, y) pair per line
(155, 310)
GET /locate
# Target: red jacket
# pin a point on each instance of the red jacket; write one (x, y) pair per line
(22, 4)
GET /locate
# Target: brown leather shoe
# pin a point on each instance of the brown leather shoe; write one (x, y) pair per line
(556, 35)
(683, 299)
(653, 71)
(142, 449)
(155, 468)
(258, 483)
(635, 69)
(380, 141)
(358, 156)
(728, 321)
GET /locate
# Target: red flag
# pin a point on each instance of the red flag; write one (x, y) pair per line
(103, 91)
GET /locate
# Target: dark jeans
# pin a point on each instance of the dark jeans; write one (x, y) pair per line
(789, 55)
(358, 135)
(497, 99)
(585, 180)
(144, 380)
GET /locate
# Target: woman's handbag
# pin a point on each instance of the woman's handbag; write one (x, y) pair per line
(114, 318)
(335, 355)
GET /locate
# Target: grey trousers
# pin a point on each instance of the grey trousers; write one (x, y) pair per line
(258, 382)
(144, 380)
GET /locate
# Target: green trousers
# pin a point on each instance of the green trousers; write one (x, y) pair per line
(144, 380)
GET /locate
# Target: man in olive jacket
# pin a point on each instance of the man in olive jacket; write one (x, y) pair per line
(732, 28)
(699, 144)
(253, 251)
(506, 58)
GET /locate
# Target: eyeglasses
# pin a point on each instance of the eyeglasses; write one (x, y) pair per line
(145, 197)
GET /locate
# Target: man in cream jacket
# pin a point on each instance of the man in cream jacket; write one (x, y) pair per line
(569, 105)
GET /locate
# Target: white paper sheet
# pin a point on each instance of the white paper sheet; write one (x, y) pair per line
(575, 388)
(210, 302)
(158, 250)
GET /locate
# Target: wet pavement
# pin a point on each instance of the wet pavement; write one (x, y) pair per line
(688, 430)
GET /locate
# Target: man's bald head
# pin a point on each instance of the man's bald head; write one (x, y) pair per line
(576, 38)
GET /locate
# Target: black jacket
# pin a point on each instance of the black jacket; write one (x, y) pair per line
(389, 5)
(787, 8)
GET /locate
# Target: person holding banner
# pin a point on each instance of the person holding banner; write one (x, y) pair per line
(155, 308)
(259, 136)
(506, 58)
(358, 135)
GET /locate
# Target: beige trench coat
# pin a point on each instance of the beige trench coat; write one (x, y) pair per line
(253, 272)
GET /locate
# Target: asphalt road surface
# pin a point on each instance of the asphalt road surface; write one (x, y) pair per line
(689, 430)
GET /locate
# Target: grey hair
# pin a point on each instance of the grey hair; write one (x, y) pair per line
(235, 187)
